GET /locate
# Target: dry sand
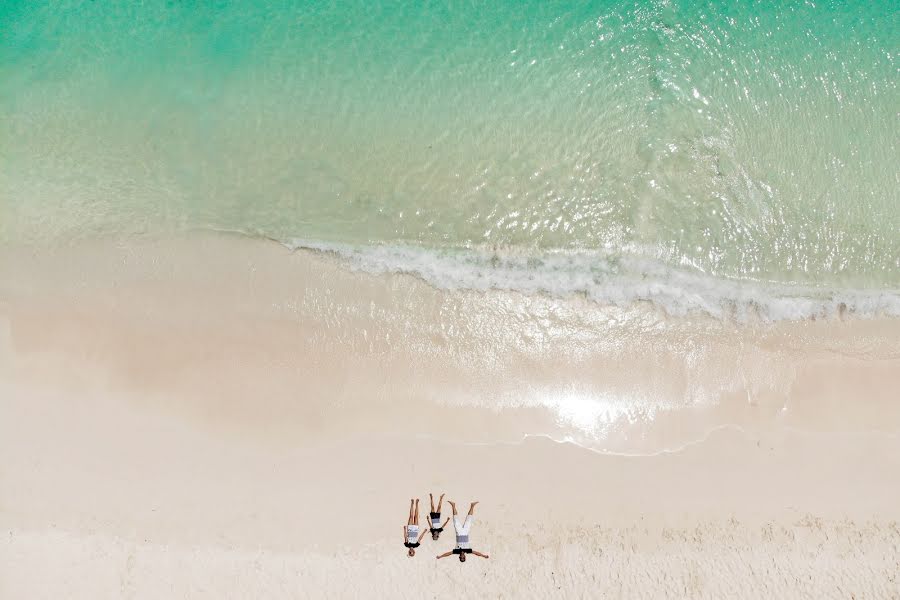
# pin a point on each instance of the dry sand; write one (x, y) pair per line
(216, 417)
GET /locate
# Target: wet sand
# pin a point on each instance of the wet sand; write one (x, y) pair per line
(218, 417)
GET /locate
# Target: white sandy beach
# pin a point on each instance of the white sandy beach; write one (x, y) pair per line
(216, 417)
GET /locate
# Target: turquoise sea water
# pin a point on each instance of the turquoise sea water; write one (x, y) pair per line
(741, 152)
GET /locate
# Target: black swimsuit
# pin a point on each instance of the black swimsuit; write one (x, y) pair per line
(433, 517)
(462, 551)
(408, 545)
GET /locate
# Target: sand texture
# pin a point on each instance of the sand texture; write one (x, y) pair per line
(215, 417)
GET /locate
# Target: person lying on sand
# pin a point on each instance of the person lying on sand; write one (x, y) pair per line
(463, 546)
(411, 535)
(435, 517)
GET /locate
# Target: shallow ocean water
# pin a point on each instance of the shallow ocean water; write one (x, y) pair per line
(625, 150)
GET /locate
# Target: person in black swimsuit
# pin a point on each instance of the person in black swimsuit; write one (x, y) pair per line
(411, 536)
(435, 517)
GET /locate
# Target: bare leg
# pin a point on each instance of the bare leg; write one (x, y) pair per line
(416, 522)
(453, 505)
(440, 502)
(409, 521)
(430, 497)
(472, 507)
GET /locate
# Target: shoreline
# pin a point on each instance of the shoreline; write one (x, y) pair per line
(609, 280)
(168, 316)
(265, 416)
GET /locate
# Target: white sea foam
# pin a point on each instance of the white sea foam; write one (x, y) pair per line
(619, 280)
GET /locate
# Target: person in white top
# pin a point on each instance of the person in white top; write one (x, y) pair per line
(463, 546)
(411, 536)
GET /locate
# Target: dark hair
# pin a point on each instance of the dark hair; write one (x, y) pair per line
(411, 552)
(435, 535)
(462, 557)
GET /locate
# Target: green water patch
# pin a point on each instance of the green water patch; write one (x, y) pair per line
(747, 140)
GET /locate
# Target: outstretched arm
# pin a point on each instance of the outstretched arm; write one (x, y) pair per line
(445, 554)
(477, 553)
(421, 535)
(447, 520)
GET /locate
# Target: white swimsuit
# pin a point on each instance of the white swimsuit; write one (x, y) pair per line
(412, 533)
(462, 532)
